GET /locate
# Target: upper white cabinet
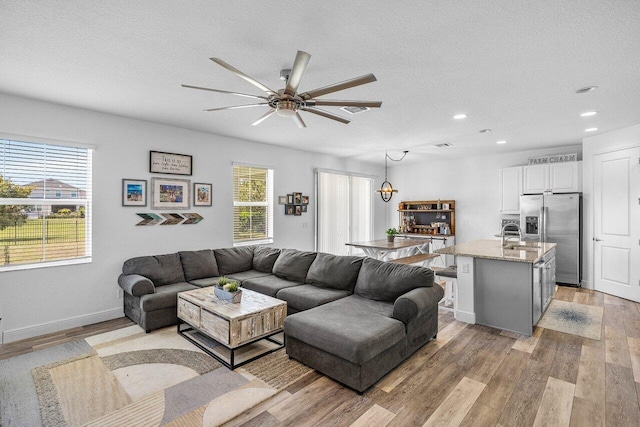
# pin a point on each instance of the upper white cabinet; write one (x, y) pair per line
(510, 189)
(554, 177)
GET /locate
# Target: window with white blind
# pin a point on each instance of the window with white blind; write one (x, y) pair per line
(252, 205)
(345, 211)
(45, 204)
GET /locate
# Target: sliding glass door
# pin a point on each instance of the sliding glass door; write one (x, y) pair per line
(345, 211)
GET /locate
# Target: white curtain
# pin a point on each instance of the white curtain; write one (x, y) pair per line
(345, 211)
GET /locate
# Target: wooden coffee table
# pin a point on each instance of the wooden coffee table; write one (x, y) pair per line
(257, 317)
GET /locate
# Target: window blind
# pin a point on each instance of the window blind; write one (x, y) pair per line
(252, 204)
(345, 211)
(45, 203)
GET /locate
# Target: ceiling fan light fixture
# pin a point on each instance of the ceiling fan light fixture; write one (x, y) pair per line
(286, 108)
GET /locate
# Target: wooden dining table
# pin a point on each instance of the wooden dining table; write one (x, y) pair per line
(385, 250)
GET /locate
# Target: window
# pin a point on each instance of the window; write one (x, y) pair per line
(38, 224)
(345, 211)
(252, 205)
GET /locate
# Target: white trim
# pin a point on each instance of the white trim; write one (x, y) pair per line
(43, 140)
(252, 165)
(61, 325)
(465, 316)
(346, 173)
(45, 264)
(253, 242)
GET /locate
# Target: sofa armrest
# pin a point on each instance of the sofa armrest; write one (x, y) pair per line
(136, 285)
(409, 306)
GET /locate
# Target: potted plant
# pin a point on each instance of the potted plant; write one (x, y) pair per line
(391, 234)
(227, 290)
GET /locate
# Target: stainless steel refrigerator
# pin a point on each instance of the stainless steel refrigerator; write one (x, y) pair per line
(556, 218)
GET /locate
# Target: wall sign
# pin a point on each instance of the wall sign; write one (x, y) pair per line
(170, 163)
(558, 158)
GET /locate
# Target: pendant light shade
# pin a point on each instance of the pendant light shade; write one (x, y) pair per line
(386, 190)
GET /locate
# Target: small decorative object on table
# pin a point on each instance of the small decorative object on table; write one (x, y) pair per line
(391, 234)
(227, 290)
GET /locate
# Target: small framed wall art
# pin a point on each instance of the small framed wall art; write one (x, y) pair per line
(282, 200)
(170, 163)
(134, 192)
(202, 194)
(170, 193)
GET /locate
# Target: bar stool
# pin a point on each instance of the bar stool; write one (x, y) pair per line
(450, 276)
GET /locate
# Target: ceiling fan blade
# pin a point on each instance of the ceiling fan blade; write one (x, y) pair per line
(338, 103)
(326, 114)
(264, 117)
(225, 91)
(244, 76)
(338, 86)
(299, 122)
(297, 71)
(234, 107)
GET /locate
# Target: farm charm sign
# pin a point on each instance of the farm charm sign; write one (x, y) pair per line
(170, 163)
(558, 158)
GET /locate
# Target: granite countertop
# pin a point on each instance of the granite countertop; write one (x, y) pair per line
(530, 252)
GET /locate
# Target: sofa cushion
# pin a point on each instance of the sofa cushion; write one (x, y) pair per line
(293, 264)
(353, 328)
(245, 275)
(334, 271)
(161, 269)
(268, 285)
(264, 257)
(164, 297)
(304, 297)
(198, 264)
(233, 260)
(386, 281)
(203, 283)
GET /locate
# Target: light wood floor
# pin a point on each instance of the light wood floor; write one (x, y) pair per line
(470, 375)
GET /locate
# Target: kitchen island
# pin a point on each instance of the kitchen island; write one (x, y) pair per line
(504, 286)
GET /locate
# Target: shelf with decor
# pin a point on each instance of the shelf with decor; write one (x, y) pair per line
(428, 217)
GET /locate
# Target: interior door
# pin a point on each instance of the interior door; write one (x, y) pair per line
(617, 223)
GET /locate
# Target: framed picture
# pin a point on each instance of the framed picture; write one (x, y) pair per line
(304, 208)
(134, 192)
(297, 198)
(289, 199)
(298, 210)
(201, 194)
(282, 200)
(170, 163)
(305, 200)
(170, 193)
(289, 209)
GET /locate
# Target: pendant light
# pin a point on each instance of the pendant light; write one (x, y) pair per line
(386, 190)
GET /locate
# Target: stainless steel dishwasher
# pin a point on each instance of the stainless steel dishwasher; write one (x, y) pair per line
(544, 283)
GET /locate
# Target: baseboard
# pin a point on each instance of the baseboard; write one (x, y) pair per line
(586, 284)
(466, 317)
(60, 325)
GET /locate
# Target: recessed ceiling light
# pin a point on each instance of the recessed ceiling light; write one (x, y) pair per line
(587, 89)
(589, 113)
(591, 129)
(501, 142)
(460, 116)
(485, 130)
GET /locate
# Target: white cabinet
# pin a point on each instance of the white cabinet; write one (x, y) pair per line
(554, 177)
(510, 190)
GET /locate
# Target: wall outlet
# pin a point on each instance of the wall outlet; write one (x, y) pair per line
(120, 293)
(465, 268)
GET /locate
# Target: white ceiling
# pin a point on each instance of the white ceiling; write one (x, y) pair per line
(512, 65)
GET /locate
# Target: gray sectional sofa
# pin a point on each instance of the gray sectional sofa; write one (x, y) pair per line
(352, 318)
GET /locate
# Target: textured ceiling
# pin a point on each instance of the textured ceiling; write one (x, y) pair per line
(513, 66)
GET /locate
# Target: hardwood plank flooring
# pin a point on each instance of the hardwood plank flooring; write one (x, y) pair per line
(470, 375)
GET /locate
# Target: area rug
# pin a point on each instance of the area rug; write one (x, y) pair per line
(128, 377)
(572, 318)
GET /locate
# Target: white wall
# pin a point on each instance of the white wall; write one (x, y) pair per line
(43, 300)
(603, 143)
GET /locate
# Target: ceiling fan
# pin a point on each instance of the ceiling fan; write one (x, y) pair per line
(288, 102)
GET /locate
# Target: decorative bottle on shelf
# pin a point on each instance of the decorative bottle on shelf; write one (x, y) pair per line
(439, 204)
